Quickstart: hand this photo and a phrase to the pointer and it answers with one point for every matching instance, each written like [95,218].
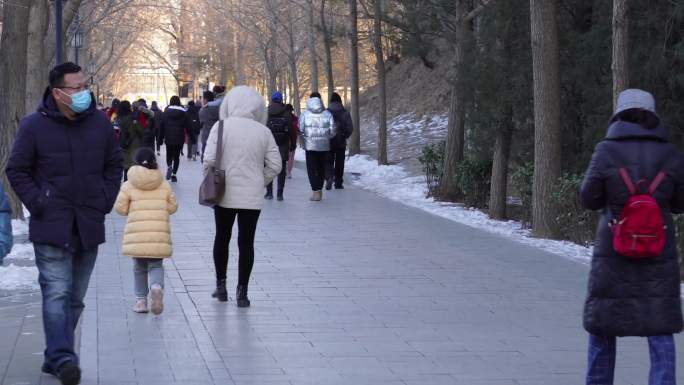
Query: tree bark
[498,190]
[382,91]
[355,143]
[454,152]
[547,146]
[312,49]
[13,48]
[327,43]
[36,74]
[620,66]
[239,74]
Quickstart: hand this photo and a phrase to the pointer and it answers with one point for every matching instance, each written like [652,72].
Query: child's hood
[145,179]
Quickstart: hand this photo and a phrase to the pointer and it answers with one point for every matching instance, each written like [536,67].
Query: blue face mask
[80,101]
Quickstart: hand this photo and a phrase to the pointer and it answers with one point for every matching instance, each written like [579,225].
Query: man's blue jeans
[602,360]
[63,276]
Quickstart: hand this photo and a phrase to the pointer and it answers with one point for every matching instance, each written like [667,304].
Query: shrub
[432,160]
[474,179]
[574,222]
[522,179]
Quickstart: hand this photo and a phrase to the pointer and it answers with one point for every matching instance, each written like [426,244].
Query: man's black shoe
[69,373]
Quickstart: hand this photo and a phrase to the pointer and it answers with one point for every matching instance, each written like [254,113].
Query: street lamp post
[78,39]
[58,31]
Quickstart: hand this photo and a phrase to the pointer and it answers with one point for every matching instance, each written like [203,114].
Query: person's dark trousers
[334,171]
[315,167]
[125,174]
[281,181]
[63,275]
[173,153]
[601,360]
[158,144]
[247,224]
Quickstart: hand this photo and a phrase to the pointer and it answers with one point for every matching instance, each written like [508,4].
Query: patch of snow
[19,227]
[22,251]
[14,277]
[395,183]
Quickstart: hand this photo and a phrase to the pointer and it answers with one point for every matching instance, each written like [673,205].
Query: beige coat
[251,158]
[148,200]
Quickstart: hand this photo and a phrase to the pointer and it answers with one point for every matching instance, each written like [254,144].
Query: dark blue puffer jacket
[67,173]
[633,297]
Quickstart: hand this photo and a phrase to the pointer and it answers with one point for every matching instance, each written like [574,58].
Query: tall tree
[382,88]
[36,75]
[355,145]
[327,44]
[13,44]
[313,56]
[620,66]
[455,140]
[547,146]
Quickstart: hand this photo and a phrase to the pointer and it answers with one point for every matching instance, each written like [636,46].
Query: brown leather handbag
[214,183]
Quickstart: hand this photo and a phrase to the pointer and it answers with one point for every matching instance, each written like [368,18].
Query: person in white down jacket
[251,160]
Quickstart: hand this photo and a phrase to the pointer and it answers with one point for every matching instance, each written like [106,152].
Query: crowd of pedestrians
[69,160]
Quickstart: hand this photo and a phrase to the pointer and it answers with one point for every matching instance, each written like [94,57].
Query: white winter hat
[635,98]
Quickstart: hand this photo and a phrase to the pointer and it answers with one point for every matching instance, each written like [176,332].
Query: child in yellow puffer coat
[148,201]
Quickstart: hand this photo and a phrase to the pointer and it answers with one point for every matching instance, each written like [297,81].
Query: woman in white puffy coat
[251,160]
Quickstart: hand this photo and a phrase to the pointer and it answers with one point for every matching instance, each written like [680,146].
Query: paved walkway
[352,290]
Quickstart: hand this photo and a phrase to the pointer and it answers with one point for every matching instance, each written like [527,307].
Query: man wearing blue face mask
[65,166]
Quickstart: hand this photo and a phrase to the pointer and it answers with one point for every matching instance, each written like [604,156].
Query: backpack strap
[628,181]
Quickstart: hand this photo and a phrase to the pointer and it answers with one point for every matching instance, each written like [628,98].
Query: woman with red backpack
[636,177]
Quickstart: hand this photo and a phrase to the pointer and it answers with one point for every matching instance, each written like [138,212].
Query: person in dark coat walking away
[157,126]
[338,145]
[280,123]
[209,114]
[174,128]
[293,146]
[317,127]
[633,297]
[132,134]
[193,130]
[6,239]
[65,166]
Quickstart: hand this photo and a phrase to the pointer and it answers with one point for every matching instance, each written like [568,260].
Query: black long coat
[174,126]
[627,297]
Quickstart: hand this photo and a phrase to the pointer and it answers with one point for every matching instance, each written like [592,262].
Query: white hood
[243,102]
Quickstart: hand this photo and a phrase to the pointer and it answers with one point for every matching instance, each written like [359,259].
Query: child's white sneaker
[140,306]
[157,295]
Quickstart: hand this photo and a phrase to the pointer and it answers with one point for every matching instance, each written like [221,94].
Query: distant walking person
[174,128]
[317,127]
[5,225]
[280,123]
[293,145]
[209,114]
[635,292]
[338,144]
[65,166]
[251,160]
[193,129]
[158,114]
[148,200]
[131,138]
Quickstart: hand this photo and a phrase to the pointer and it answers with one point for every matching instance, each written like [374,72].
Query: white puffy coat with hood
[316,126]
[250,155]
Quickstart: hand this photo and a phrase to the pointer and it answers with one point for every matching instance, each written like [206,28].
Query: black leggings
[173,152]
[315,166]
[247,223]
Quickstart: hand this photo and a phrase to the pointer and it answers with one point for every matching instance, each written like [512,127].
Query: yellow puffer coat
[148,200]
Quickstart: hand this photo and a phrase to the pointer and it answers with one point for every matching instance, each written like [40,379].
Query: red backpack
[640,231]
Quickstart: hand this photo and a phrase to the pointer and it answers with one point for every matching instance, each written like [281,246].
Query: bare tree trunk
[382,91]
[13,45]
[327,40]
[36,74]
[620,65]
[355,143]
[547,147]
[313,56]
[239,74]
[498,190]
[455,140]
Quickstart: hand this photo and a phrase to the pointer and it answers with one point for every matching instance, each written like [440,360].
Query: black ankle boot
[241,295]
[220,293]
